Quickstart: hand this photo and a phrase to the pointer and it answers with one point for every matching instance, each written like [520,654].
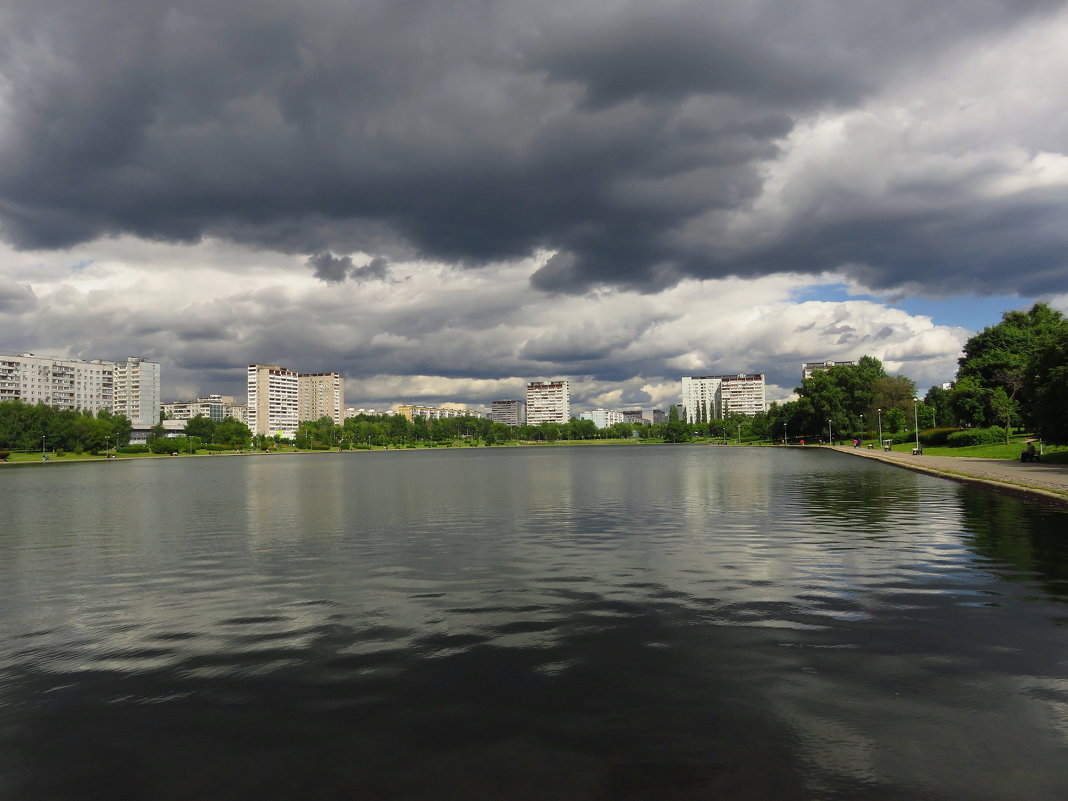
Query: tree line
[38,426]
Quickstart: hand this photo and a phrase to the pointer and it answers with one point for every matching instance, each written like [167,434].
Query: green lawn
[1057,454]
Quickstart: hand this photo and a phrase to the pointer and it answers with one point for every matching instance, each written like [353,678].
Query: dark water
[572,623]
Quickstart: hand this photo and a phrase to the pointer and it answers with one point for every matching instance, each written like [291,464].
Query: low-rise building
[412,412]
[213,407]
[603,418]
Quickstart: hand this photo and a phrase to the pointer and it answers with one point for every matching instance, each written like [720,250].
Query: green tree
[1046,386]
[201,427]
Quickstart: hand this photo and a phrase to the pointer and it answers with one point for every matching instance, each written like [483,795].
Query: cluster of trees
[1013,373]
[849,400]
[38,426]
[228,431]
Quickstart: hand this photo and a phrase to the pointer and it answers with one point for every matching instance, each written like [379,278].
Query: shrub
[215,448]
[976,436]
[133,449]
[362,447]
[936,436]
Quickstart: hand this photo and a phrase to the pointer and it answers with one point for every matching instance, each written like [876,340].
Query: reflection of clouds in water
[590,574]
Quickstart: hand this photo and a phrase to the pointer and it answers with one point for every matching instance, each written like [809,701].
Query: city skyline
[444,203]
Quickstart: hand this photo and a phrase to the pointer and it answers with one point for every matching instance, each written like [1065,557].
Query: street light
[862,427]
[916,420]
[880,411]
[784,433]
[107,447]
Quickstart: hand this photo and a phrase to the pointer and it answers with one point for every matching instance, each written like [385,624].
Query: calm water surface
[570,623]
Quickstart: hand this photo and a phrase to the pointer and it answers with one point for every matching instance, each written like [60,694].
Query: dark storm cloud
[476,131]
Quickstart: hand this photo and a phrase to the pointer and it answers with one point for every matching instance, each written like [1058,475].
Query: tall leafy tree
[1046,386]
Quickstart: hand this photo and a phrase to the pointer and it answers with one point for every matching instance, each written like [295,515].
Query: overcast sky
[443,199]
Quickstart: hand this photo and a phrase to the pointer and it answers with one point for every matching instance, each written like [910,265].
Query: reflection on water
[587,623]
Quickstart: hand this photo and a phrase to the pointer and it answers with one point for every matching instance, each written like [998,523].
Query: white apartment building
[509,412]
[411,412]
[321,395]
[213,407]
[603,418]
[60,383]
[702,397]
[743,394]
[273,400]
[808,368]
[137,391]
[548,401]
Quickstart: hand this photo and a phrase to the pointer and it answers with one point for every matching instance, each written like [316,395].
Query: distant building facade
[273,400]
[59,383]
[321,395]
[634,416]
[548,401]
[808,368]
[743,394]
[412,412]
[702,397]
[509,412]
[213,407]
[603,418]
[137,391]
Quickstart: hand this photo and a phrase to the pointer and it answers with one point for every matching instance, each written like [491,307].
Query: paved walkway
[1048,481]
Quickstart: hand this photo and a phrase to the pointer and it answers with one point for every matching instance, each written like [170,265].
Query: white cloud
[440,334]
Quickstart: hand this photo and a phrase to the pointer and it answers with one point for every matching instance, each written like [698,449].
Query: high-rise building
[702,397]
[743,394]
[137,391]
[658,416]
[634,416]
[548,401]
[273,400]
[60,383]
[808,368]
[509,412]
[322,395]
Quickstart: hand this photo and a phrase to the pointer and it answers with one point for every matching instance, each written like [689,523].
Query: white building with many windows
[137,391]
[60,383]
[702,398]
[213,407]
[743,394]
[603,418]
[273,400]
[548,401]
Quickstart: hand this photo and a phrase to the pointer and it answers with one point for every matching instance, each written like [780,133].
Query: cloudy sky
[443,199]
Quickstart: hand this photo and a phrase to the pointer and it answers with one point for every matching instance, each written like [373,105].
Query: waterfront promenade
[1044,481]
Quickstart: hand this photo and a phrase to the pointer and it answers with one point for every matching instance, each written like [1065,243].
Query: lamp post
[916,420]
[862,427]
[42,447]
[784,433]
[107,447]
[880,411]
[739,433]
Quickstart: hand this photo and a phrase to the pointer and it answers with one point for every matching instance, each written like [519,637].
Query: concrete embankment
[1044,482]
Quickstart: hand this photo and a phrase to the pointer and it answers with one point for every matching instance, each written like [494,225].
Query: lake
[630,622]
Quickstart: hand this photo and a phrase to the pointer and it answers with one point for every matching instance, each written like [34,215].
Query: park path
[1046,481]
